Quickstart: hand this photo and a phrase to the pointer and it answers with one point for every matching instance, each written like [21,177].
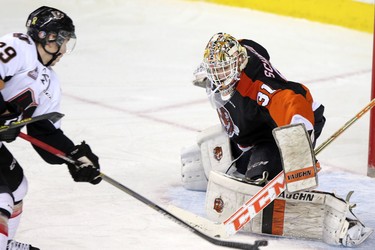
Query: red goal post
[371,148]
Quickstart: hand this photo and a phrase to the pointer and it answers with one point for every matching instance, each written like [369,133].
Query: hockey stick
[259,201]
[368,107]
[53,117]
[213,240]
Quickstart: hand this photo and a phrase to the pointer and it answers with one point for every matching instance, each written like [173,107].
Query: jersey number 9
[6,53]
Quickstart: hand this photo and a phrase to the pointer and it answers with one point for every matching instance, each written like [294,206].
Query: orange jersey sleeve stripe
[244,89]
[285,104]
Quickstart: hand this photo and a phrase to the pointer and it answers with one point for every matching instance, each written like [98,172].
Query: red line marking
[137,113]
[143,113]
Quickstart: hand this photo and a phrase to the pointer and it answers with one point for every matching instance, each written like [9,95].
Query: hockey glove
[87,168]
[200,77]
[13,113]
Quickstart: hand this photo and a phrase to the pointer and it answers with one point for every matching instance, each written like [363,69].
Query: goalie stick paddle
[53,117]
[213,240]
[260,200]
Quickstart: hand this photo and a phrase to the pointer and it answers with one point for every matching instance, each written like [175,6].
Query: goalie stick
[259,201]
[53,117]
[368,107]
[213,240]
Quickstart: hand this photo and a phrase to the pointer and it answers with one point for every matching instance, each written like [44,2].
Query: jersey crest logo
[227,122]
[33,74]
[218,153]
[45,79]
[218,205]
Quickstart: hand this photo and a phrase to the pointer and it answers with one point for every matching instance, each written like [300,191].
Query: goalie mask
[224,59]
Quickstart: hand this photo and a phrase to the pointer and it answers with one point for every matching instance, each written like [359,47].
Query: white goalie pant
[212,152]
[309,215]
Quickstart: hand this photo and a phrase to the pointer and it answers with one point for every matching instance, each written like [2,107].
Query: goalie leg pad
[308,215]
[212,152]
[215,149]
[192,172]
[225,194]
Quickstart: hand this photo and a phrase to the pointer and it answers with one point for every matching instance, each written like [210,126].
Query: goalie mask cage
[371,149]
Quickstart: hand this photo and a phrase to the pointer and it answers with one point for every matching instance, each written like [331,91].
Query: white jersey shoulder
[18,54]
[25,77]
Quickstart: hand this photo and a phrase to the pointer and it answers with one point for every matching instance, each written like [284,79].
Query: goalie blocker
[297,157]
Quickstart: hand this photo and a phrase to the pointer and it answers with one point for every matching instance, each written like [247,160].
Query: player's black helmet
[47,24]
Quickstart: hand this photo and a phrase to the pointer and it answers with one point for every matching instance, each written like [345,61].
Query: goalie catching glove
[86,168]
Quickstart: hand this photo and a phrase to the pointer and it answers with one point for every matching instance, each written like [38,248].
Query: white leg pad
[225,194]
[212,152]
[307,215]
[192,172]
[335,217]
[216,154]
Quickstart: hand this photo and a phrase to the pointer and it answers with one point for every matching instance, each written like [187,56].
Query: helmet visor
[69,38]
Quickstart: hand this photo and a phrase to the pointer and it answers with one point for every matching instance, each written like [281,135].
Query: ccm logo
[256,204]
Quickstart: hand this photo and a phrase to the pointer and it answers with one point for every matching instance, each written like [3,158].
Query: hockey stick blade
[178,220]
[213,240]
[53,117]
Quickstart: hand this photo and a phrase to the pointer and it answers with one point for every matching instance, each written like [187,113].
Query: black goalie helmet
[48,24]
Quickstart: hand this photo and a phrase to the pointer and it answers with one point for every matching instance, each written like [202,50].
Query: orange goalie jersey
[264,99]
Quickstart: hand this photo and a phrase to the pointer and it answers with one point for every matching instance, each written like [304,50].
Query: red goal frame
[371,148]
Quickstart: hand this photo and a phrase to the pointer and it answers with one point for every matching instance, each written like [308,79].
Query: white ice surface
[128,93]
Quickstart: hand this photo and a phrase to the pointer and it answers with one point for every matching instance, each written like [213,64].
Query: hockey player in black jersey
[252,98]
[29,87]
[235,159]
